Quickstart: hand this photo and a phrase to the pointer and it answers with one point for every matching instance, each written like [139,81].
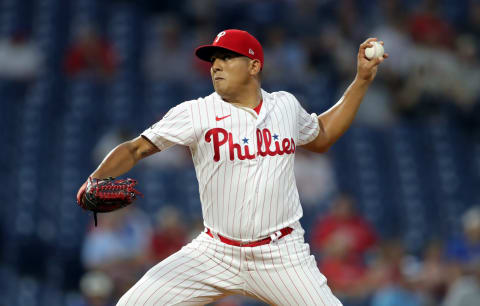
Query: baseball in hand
[375,51]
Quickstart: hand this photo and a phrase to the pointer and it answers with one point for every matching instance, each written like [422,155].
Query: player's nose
[217,65]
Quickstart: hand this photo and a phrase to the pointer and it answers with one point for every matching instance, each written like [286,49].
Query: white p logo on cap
[219,36]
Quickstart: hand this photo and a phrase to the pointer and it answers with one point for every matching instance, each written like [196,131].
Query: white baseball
[375,51]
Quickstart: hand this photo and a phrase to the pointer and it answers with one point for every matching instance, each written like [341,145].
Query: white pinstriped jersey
[243,161]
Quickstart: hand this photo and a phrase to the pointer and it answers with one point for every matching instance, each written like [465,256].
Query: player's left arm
[335,121]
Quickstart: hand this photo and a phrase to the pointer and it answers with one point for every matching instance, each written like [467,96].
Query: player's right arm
[174,128]
[121,159]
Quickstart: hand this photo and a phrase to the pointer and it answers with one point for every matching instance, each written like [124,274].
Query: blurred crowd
[433,73]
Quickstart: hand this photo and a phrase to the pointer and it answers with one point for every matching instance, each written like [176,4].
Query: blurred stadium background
[78,77]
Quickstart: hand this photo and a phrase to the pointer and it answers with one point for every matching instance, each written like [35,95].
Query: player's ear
[255,67]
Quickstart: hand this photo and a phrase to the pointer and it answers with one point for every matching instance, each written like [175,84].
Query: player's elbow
[318,146]
[324,149]
[321,149]
[140,148]
[323,141]
[325,146]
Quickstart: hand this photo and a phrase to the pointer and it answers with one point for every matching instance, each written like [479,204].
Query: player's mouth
[218,78]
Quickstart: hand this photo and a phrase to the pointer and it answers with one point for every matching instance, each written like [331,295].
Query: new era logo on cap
[237,41]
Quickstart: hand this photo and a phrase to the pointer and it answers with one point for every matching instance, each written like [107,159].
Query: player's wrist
[362,81]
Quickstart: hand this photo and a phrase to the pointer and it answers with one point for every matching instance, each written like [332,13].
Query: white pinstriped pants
[205,270]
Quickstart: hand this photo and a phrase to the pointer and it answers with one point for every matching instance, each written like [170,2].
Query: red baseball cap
[237,41]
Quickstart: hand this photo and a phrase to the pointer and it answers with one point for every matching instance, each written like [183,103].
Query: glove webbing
[103,192]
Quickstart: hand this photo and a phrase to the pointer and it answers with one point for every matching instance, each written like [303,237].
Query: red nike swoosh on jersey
[221,118]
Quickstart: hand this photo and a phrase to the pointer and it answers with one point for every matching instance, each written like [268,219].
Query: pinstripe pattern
[296,278]
[282,273]
[244,199]
[244,166]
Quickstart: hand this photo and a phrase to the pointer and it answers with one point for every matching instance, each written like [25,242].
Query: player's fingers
[374,62]
[367,43]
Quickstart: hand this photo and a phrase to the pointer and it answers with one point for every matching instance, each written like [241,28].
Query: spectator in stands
[388,280]
[110,140]
[97,289]
[394,32]
[302,18]
[465,81]
[465,291]
[167,55]
[201,34]
[427,90]
[169,235]
[201,11]
[287,60]
[429,27]
[473,24]
[345,224]
[315,185]
[465,249]
[20,58]
[349,19]
[118,246]
[90,56]
[378,109]
[342,238]
[433,275]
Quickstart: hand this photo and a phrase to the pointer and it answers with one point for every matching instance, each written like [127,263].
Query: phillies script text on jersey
[243,163]
[219,137]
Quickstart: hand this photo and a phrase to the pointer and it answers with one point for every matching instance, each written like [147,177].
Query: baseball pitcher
[243,142]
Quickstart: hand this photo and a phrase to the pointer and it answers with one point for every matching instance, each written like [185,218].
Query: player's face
[230,72]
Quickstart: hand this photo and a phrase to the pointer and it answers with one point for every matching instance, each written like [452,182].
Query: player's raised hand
[367,68]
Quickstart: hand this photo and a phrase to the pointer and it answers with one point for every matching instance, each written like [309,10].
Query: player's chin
[220,87]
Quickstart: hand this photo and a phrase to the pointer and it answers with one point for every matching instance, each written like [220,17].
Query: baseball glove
[106,195]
